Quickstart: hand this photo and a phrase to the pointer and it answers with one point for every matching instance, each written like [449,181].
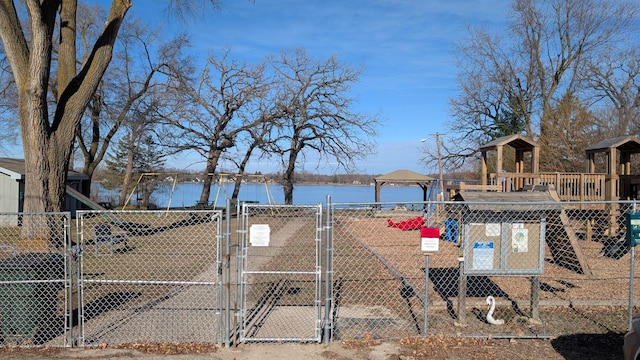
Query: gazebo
[404,176]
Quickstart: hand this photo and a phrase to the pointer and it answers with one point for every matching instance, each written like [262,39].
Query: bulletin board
[504,248]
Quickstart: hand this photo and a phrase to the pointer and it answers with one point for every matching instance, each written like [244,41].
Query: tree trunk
[287,187]
[212,163]
[241,168]
[288,181]
[128,176]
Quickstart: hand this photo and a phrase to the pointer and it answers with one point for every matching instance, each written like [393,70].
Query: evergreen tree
[147,161]
[150,161]
[116,162]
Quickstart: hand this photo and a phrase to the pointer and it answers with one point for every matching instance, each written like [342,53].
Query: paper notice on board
[519,239]
[259,235]
[492,229]
[483,255]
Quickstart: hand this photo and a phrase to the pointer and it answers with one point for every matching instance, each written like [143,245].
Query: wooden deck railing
[569,186]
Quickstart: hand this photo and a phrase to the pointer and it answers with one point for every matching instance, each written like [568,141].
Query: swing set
[222,179]
[173,186]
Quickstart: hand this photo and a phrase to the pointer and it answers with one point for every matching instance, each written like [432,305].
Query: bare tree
[255,140]
[574,125]
[137,156]
[48,137]
[496,98]
[211,120]
[48,134]
[527,75]
[614,77]
[8,109]
[132,81]
[317,114]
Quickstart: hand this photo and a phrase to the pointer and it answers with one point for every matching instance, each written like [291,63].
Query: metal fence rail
[551,267]
[280,273]
[149,276]
[300,273]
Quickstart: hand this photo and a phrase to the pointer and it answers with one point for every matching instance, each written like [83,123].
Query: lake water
[187,194]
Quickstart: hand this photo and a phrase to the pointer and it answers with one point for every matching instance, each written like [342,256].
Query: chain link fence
[149,276]
[280,273]
[34,281]
[552,268]
[300,273]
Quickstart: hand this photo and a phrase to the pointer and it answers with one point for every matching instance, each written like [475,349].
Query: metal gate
[149,276]
[280,273]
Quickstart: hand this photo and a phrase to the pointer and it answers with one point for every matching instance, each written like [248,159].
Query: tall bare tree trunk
[128,175]
[288,179]
[212,163]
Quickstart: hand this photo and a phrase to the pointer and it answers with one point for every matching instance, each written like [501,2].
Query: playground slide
[83,199]
[94,205]
[561,245]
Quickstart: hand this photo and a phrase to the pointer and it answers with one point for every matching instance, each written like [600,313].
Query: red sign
[429,239]
[426,232]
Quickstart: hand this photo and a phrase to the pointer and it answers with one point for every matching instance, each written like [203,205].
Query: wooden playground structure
[572,191]
[617,182]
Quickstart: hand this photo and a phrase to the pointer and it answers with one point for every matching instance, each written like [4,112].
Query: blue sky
[405,46]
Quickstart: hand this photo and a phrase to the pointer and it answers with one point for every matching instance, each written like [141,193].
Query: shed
[404,177]
[12,186]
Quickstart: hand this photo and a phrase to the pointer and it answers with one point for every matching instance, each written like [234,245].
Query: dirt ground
[582,346]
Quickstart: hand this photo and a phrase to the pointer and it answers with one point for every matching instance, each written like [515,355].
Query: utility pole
[440,180]
[440,166]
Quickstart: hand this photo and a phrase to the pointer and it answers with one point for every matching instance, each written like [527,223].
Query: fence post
[535,298]
[71,277]
[328,281]
[631,271]
[227,275]
[632,253]
[462,293]
[79,336]
[426,294]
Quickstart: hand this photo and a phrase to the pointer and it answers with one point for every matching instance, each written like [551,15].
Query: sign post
[632,221]
[429,241]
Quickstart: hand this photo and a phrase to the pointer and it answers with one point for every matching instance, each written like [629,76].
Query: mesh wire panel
[149,276]
[33,279]
[378,272]
[552,269]
[280,273]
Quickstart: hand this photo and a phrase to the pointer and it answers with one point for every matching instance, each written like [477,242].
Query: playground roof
[622,143]
[516,141]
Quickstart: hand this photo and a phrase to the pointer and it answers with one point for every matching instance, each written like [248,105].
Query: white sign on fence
[259,234]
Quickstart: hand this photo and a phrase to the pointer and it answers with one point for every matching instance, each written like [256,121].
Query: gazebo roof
[404,176]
